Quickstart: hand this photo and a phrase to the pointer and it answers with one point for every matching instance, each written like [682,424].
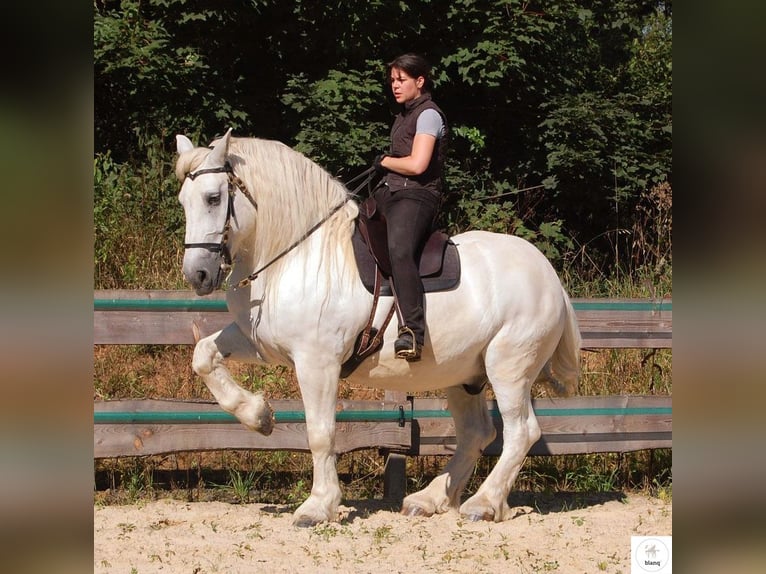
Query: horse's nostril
[201,276]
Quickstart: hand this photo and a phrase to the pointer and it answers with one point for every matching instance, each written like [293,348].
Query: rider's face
[404,87]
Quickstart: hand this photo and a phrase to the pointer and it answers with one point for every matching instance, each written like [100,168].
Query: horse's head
[207,196]
[296,197]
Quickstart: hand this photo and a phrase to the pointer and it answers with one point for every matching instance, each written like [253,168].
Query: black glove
[379,169]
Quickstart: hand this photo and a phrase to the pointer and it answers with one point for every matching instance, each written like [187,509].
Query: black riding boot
[406,346]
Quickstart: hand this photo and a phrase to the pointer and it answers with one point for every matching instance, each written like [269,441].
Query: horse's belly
[424,375]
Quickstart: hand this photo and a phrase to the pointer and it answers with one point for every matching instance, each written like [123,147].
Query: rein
[250,278]
[369,172]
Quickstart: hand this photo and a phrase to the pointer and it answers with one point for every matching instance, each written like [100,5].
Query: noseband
[234,183]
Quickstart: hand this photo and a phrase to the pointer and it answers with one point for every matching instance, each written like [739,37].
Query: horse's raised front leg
[474,430]
[251,409]
[318,382]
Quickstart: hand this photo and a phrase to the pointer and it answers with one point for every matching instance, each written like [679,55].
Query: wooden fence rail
[398,424]
[421,426]
[166,317]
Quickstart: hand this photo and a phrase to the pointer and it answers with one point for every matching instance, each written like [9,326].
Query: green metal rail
[159,305]
[170,417]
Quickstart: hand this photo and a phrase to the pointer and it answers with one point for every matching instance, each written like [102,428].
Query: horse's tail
[562,371]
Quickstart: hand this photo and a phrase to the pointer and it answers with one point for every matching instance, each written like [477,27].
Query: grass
[240,485]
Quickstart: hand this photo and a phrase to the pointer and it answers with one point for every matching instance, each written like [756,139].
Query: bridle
[236,183]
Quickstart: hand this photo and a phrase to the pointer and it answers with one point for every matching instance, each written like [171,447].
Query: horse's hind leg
[251,409]
[474,430]
[511,382]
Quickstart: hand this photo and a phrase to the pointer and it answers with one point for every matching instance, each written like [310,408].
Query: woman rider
[409,195]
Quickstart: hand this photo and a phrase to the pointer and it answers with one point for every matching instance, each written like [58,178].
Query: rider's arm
[418,160]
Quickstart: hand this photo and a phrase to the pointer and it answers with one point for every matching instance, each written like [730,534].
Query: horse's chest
[271,327]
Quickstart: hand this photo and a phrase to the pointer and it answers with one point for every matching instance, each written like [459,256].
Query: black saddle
[439,261]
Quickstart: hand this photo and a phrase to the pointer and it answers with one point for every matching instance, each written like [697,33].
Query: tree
[569,100]
[161,67]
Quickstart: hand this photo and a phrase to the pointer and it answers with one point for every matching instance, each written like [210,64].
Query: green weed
[241,484]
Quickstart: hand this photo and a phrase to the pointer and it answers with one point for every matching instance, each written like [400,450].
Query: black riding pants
[410,215]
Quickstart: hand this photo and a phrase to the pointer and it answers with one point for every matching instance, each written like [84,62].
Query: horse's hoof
[414,511]
[267,422]
[305,522]
[258,415]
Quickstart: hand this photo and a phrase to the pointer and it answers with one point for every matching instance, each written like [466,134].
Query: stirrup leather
[402,348]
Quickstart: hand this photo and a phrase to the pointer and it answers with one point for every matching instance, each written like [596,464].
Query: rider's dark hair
[415,66]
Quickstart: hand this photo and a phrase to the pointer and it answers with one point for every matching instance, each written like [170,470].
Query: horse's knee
[203,357]
[321,439]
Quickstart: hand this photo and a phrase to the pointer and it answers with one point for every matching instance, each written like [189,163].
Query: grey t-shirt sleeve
[430,122]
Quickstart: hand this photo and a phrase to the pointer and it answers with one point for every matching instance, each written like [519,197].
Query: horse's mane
[292,192]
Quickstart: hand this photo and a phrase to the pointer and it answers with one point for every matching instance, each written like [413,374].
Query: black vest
[402,137]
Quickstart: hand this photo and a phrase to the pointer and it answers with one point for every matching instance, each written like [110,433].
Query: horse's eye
[214,199]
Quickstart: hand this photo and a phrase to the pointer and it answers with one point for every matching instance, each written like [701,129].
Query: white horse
[252,203]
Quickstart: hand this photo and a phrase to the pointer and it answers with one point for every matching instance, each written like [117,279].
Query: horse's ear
[183,144]
[217,157]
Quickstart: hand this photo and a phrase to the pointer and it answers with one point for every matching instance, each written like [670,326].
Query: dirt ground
[566,533]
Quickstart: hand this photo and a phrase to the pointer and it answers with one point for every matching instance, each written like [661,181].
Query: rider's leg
[409,215]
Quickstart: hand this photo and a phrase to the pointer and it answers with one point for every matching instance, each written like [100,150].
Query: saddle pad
[446,278]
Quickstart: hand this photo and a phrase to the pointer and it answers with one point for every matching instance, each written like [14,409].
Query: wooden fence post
[395,470]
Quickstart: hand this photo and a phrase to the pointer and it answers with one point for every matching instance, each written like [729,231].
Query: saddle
[439,261]
[439,271]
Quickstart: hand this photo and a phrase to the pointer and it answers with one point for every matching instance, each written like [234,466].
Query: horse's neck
[324,252]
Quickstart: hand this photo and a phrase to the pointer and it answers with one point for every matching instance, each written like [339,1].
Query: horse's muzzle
[204,274]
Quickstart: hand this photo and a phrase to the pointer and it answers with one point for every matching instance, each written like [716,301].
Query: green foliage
[138,223]
[502,217]
[609,141]
[478,200]
[137,479]
[157,73]
[333,132]
[592,139]
[501,38]
[241,484]
[571,95]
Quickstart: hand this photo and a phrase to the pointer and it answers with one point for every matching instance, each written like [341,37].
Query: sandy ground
[569,534]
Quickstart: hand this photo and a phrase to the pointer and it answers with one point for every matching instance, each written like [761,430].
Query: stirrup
[405,346]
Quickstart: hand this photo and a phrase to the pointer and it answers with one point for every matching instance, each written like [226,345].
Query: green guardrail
[159,305]
[170,417]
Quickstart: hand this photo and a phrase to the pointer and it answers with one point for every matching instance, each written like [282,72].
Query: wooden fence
[400,425]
